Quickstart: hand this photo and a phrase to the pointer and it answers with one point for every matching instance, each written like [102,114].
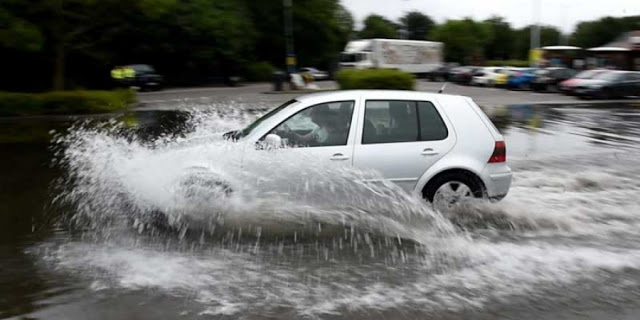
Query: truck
[417,57]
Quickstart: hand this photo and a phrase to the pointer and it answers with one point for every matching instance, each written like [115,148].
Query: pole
[290,59]
[535,27]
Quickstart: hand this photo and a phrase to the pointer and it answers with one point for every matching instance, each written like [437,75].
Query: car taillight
[499,153]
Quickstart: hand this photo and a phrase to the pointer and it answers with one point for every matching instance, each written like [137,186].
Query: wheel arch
[430,176]
[459,172]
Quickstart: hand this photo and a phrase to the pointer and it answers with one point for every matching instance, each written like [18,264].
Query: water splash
[565,225]
[201,182]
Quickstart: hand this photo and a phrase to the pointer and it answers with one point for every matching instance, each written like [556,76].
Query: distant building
[622,53]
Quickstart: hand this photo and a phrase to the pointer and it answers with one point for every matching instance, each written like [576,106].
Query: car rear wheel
[448,190]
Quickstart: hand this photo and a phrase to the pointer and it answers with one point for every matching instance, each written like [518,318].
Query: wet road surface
[564,244]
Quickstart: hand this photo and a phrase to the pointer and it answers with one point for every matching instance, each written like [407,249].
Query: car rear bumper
[497,179]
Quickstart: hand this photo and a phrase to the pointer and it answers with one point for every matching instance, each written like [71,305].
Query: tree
[548,36]
[464,40]
[599,32]
[500,45]
[376,26]
[321,28]
[417,25]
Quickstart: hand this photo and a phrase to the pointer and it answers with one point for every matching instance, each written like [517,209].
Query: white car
[315,73]
[486,76]
[442,147]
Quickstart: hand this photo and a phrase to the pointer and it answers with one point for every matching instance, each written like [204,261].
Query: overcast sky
[563,14]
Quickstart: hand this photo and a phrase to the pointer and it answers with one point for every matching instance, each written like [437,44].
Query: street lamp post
[288,33]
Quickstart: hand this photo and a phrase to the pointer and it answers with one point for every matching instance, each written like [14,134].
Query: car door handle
[429,152]
[339,157]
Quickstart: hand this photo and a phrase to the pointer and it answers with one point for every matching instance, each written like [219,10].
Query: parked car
[442,73]
[549,78]
[315,73]
[462,75]
[145,78]
[610,84]
[486,76]
[568,86]
[500,80]
[442,147]
[521,79]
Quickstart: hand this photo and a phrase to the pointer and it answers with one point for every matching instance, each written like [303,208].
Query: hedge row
[510,63]
[375,79]
[64,102]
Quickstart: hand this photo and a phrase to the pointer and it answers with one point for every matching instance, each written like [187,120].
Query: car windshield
[587,74]
[246,131]
[348,57]
[142,68]
[608,76]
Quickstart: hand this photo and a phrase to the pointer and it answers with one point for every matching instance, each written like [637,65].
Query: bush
[260,71]
[64,102]
[509,63]
[375,79]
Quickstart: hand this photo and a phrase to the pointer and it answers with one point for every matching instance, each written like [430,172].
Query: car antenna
[442,89]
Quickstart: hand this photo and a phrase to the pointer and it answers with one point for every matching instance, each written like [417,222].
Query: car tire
[458,182]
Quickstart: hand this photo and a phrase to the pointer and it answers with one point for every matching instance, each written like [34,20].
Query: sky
[563,14]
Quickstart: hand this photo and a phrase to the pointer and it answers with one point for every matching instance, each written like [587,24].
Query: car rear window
[431,125]
[391,121]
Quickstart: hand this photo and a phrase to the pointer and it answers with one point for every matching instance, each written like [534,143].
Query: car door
[634,85]
[401,139]
[320,132]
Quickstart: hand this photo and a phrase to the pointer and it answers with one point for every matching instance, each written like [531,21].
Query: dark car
[568,86]
[610,84]
[463,75]
[145,77]
[549,78]
[442,73]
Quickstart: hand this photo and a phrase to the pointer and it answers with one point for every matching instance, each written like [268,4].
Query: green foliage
[375,79]
[260,71]
[189,42]
[602,31]
[509,63]
[376,26]
[417,25]
[463,40]
[500,44]
[549,36]
[64,102]
[19,34]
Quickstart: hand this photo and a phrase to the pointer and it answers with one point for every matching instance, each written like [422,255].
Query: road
[257,94]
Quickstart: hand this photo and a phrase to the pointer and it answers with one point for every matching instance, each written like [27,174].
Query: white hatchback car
[442,147]
[485,76]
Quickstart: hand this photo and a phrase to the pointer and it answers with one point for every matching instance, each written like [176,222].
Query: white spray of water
[552,207]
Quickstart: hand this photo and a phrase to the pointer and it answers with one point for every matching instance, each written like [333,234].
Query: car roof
[374,93]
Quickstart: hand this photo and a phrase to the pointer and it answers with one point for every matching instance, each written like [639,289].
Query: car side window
[390,121]
[432,128]
[321,125]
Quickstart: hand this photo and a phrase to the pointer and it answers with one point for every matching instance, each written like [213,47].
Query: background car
[146,77]
[549,78]
[502,76]
[463,75]
[485,76]
[442,73]
[521,79]
[568,86]
[315,73]
[610,84]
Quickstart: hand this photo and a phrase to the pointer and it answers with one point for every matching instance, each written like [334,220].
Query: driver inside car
[326,132]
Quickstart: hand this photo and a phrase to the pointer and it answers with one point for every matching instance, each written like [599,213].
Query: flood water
[80,237]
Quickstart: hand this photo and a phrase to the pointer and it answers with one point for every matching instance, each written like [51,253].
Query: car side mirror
[273,140]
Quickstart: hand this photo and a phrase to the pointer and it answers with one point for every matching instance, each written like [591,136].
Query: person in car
[328,131]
